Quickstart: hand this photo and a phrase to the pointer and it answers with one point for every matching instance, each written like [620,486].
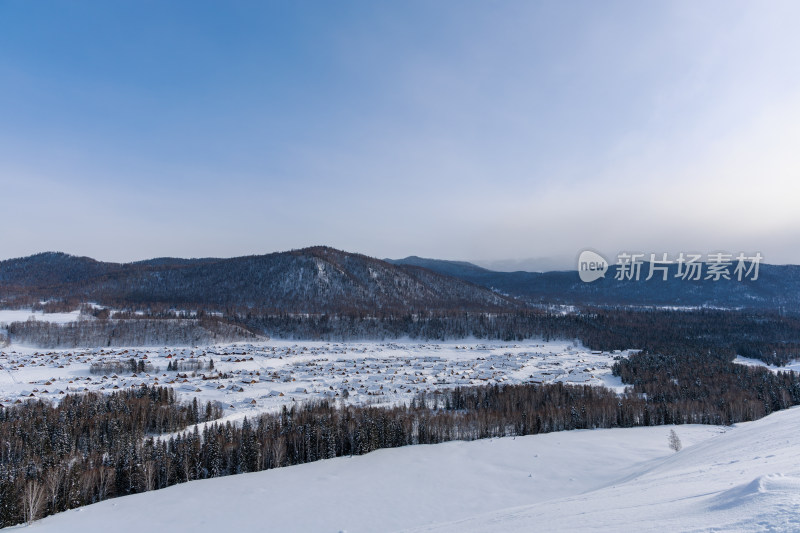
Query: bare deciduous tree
[52,481]
[149,475]
[33,500]
[105,480]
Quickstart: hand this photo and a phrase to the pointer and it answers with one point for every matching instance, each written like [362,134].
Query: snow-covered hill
[312,280]
[745,478]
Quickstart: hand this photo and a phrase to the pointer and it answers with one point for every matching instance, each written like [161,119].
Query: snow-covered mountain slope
[743,478]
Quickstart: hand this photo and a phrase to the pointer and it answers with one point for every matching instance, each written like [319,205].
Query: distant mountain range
[325,280]
[777,287]
[312,280]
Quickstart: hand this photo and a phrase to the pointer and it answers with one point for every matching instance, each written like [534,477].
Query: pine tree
[674,441]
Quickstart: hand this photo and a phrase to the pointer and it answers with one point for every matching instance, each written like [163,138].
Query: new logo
[591,266]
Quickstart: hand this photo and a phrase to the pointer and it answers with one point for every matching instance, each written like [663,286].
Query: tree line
[128,332]
[85,449]
[770,337]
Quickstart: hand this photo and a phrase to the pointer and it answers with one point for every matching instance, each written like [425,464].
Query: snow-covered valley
[740,478]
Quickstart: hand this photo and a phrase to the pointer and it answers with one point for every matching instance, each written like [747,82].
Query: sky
[497,131]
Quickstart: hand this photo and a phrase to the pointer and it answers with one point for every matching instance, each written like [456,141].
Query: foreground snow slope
[392,489]
[745,480]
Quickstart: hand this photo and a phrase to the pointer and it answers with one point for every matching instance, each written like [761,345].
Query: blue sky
[462,130]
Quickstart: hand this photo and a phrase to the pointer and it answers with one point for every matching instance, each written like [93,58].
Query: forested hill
[777,287]
[325,280]
[311,280]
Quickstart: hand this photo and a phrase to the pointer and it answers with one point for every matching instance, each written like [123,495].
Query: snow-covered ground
[747,479]
[250,378]
[792,365]
[744,478]
[8,316]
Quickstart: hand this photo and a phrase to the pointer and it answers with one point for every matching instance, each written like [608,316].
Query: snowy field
[744,478]
[249,378]
[747,479]
[792,365]
[8,316]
